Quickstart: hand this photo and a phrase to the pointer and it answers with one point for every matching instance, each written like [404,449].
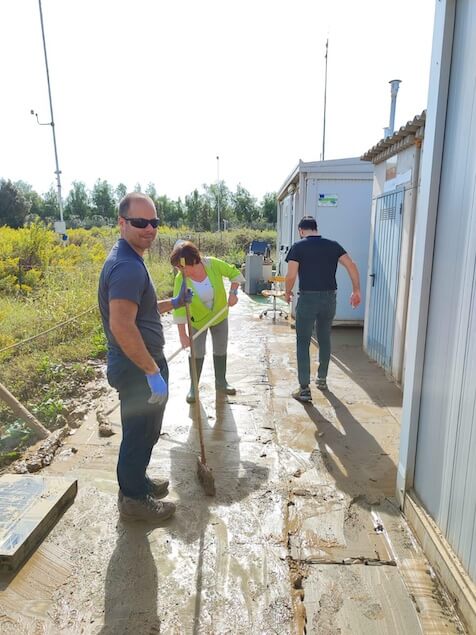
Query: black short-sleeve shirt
[318,258]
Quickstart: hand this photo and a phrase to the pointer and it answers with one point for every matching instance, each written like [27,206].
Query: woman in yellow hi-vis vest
[205,278]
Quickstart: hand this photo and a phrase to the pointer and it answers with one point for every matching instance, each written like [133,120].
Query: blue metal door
[384,276]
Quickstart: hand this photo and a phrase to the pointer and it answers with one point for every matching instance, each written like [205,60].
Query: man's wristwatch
[234,291]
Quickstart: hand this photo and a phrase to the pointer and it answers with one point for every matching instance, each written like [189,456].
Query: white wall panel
[445,468]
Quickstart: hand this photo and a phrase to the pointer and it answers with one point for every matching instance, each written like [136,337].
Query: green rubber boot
[199,364]
[221,385]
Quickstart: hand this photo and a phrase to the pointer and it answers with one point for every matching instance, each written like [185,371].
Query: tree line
[21,205]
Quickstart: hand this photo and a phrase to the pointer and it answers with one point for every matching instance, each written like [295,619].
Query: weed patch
[44,284]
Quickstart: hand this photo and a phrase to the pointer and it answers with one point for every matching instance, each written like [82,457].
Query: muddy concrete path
[302,536]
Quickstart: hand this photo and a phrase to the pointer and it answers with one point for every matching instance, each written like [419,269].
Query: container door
[286,234]
[342,208]
[384,275]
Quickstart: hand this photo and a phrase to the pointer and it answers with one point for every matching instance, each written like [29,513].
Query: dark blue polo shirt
[124,276]
[318,258]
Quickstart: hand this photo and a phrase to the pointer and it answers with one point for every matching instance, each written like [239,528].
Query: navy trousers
[319,308]
[141,423]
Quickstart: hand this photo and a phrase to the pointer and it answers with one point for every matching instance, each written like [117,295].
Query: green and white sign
[327,200]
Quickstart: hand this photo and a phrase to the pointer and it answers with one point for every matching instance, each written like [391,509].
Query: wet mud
[289,544]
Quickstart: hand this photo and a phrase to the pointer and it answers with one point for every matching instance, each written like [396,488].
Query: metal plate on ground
[29,508]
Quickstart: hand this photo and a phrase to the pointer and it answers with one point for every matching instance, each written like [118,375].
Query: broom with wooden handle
[169,359]
[205,474]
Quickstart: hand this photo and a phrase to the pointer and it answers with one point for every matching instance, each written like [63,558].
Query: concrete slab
[242,599]
[431,601]
[358,599]
[27,597]
[29,508]
[328,528]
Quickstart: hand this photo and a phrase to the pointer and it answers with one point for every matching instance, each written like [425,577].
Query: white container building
[436,478]
[338,195]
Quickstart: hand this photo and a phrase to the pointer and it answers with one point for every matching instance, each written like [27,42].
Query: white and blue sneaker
[321,383]
[303,394]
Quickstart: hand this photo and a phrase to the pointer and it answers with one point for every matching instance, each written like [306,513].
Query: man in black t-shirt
[315,259]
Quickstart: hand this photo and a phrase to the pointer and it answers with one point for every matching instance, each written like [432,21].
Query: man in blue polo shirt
[136,365]
[315,259]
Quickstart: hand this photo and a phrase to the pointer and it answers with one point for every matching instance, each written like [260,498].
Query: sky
[153,91]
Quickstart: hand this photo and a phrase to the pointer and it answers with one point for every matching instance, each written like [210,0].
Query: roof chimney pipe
[394,86]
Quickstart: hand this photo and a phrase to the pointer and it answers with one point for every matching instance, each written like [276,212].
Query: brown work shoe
[158,487]
[147,509]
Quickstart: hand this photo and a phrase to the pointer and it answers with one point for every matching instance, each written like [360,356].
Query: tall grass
[43,283]
[231,245]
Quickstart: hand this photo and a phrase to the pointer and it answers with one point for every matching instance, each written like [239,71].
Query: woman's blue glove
[158,388]
[184,297]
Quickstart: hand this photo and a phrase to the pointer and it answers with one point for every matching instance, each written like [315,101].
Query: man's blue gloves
[158,388]
[184,297]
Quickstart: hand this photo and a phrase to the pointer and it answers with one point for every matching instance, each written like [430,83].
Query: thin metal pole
[325,106]
[52,124]
[218,193]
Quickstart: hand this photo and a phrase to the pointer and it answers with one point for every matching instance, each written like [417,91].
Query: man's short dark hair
[125,203]
[308,222]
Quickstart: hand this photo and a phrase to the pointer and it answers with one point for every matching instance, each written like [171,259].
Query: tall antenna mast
[325,106]
[52,123]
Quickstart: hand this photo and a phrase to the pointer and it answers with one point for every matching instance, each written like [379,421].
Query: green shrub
[44,283]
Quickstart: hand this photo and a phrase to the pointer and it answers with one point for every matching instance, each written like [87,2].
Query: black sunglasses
[141,223]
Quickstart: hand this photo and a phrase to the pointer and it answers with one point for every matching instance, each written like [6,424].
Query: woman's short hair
[187,250]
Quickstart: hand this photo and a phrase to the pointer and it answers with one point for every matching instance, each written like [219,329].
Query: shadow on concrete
[348,355]
[230,464]
[130,599]
[235,479]
[352,456]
